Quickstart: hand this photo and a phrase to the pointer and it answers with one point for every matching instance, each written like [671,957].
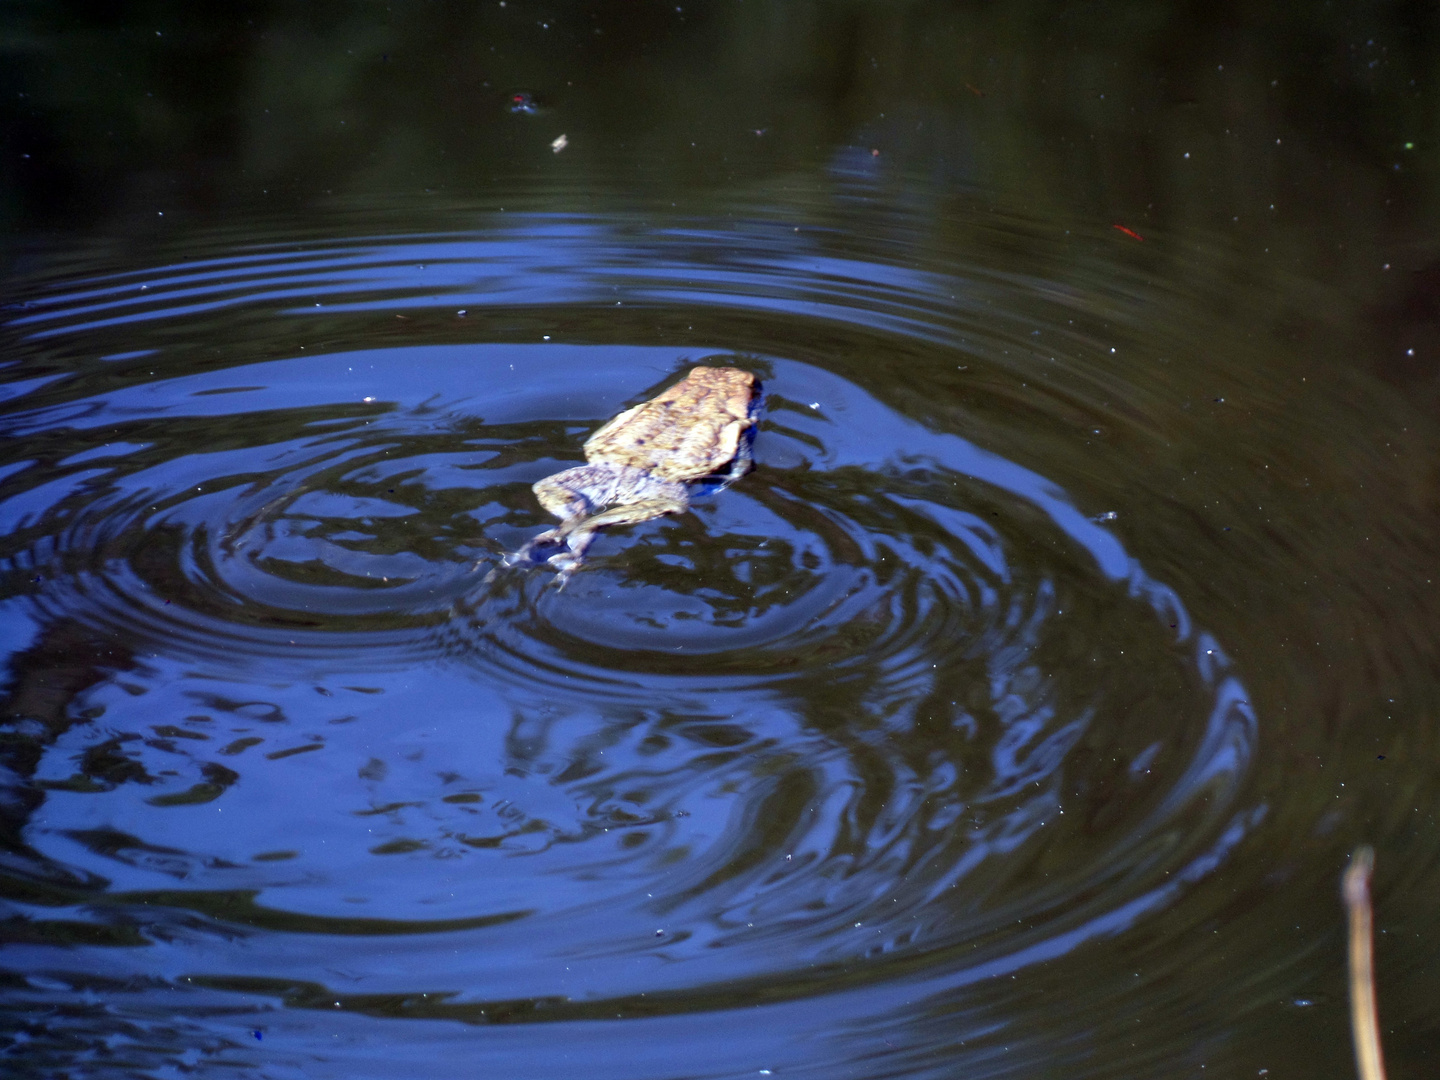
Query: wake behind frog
[639,463]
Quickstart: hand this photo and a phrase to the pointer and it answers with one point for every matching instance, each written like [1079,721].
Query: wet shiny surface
[1013,717]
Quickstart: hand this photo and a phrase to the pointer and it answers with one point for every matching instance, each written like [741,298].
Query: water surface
[1014,716]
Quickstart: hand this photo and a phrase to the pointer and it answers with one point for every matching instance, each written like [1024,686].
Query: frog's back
[688,431]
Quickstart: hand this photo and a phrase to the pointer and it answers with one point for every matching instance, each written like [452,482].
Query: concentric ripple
[892,708]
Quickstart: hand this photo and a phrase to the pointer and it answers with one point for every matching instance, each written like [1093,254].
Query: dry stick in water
[1364,1017]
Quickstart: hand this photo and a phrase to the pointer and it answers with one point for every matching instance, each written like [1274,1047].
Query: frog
[641,464]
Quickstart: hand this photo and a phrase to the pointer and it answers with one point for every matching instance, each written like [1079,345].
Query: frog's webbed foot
[564,563]
[529,554]
[571,538]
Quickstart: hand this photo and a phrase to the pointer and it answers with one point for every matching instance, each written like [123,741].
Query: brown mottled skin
[684,433]
[639,461]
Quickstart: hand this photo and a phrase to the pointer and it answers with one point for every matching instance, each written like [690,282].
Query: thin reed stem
[1364,1015]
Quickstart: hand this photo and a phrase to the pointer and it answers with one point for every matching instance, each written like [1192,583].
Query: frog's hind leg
[571,496]
[579,535]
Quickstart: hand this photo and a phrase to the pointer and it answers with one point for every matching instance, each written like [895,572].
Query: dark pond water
[1014,717]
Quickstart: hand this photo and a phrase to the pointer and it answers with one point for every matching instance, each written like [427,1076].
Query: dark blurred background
[1303,134]
[114,112]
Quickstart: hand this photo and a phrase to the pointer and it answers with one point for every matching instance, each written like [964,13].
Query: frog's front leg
[578,535]
[743,459]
